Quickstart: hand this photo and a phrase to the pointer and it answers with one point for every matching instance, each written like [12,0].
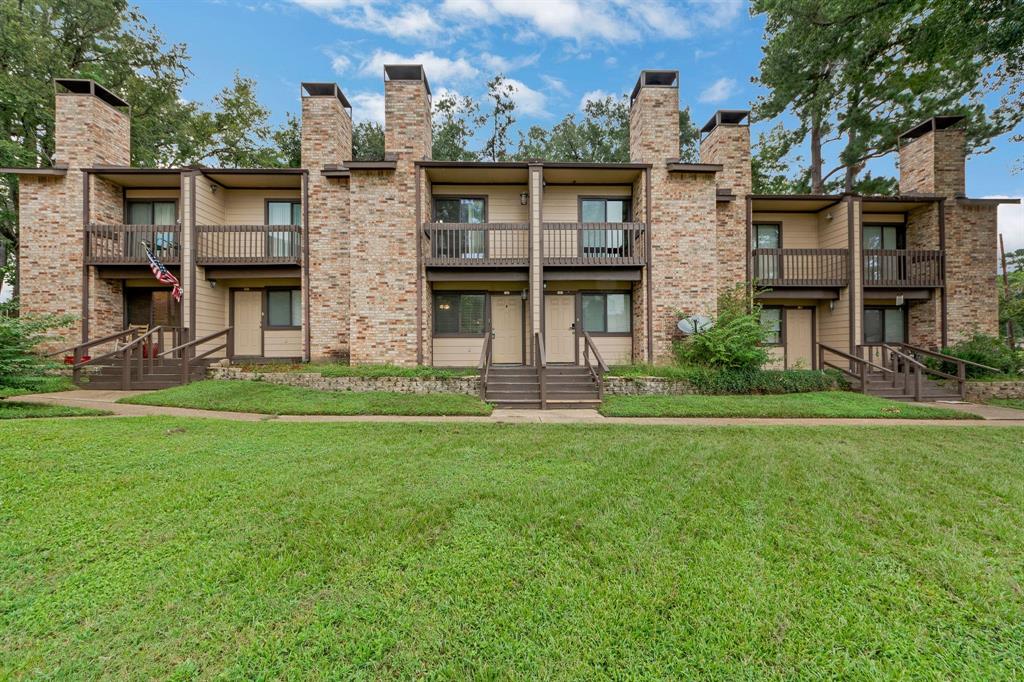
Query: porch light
[523,198]
[444,306]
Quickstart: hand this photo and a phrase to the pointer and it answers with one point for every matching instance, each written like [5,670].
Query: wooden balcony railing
[902,268]
[477,244]
[801,267]
[122,244]
[248,244]
[594,243]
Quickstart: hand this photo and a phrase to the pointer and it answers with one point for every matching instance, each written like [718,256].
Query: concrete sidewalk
[107,400]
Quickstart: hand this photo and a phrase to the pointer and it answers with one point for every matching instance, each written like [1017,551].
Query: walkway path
[106,400]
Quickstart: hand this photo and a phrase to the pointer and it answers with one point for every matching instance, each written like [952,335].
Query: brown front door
[507,323]
[248,323]
[559,327]
[799,338]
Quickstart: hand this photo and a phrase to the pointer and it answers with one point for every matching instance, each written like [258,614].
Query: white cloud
[368,106]
[1011,225]
[593,95]
[719,13]
[611,61]
[529,101]
[699,54]
[339,63]
[719,91]
[412,21]
[554,84]
[498,64]
[439,69]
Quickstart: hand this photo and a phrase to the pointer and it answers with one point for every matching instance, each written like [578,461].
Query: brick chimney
[93,125]
[407,106]
[684,263]
[326,126]
[932,157]
[725,140]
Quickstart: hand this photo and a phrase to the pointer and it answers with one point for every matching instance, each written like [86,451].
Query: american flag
[162,274]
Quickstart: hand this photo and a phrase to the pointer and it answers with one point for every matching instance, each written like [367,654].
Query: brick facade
[729,145]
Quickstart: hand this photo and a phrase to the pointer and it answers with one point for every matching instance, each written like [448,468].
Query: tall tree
[237,132]
[367,141]
[454,123]
[499,119]
[858,73]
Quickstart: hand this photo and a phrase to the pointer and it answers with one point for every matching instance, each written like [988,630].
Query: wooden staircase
[898,372]
[139,361]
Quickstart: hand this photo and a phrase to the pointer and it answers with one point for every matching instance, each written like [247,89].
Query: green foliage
[288,142]
[12,410]
[498,120]
[1011,298]
[985,350]
[710,381]
[19,337]
[367,141]
[735,340]
[454,123]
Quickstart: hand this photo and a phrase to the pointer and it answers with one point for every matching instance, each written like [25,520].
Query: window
[459,314]
[154,213]
[884,266]
[283,244]
[607,242]
[284,308]
[771,320]
[767,266]
[884,325]
[460,243]
[607,313]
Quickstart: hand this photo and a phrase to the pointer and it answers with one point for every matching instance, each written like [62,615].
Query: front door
[799,338]
[507,323]
[248,323]
[560,328]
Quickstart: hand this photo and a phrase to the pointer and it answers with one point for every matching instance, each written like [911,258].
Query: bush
[735,341]
[709,381]
[985,350]
[19,337]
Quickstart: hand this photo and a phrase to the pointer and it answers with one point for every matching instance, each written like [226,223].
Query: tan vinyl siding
[503,202]
[211,310]
[282,343]
[561,202]
[888,218]
[457,352]
[614,350]
[776,358]
[248,206]
[834,325]
[799,230]
[236,207]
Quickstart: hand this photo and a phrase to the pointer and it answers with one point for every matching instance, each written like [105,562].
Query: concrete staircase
[565,386]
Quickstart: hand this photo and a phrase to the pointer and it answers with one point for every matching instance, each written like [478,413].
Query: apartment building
[411,260]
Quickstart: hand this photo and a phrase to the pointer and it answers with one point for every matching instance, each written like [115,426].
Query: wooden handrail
[196,342]
[95,342]
[948,358]
[119,351]
[187,350]
[848,356]
[540,361]
[602,367]
[485,362]
[597,354]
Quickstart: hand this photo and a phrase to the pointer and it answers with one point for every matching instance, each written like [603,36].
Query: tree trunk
[817,186]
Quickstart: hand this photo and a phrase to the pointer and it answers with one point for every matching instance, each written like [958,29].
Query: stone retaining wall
[459,385]
[646,386]
[980,391]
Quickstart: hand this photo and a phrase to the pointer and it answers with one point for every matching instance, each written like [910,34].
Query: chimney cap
[932,124]
[730,117]
[406,72]
[654,78]
[325,90]
[86,86]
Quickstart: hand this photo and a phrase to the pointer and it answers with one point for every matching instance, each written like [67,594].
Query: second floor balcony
[818,268]
[119,244]
[248,244]
[903,268]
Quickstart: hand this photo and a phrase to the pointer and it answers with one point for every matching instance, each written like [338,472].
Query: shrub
[709,381]
[735,341]
[19,337]
[985,350]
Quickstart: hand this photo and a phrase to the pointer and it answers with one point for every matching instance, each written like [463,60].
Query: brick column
[727,142]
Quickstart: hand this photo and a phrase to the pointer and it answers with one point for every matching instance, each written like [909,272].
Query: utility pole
[1006,295]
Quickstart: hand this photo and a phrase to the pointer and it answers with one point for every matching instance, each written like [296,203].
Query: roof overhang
[987,201]
[138,177]
[56,171]
[802,203]
[255,178]
[675,166]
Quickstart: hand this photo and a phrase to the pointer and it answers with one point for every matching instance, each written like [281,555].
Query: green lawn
[335,369]
[179,549]
[30,385]
[265,398]
[827,404]
[9,410]
[1017,403]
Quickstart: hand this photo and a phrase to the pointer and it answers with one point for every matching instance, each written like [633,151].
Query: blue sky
[557,52]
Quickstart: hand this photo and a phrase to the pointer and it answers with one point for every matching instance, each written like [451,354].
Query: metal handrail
[540,361]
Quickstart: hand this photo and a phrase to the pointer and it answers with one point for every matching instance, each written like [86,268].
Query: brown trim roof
[56,171]
[681,167]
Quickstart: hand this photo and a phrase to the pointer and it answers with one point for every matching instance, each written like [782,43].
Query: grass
[265,398]
[334,369]
[1017,403]
[9,410]
[180,549]
[709,381]
[833,404]
[30,385]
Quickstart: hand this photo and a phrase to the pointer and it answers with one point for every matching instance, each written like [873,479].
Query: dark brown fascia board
[387,164]
[818,294]
[725,198]
[593,165]
[902,198]
[56,171]
[680,167]
[128,170]
[430,163]
[932,124]
[253,171]
[797,197]
[982,201]
[335,171]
